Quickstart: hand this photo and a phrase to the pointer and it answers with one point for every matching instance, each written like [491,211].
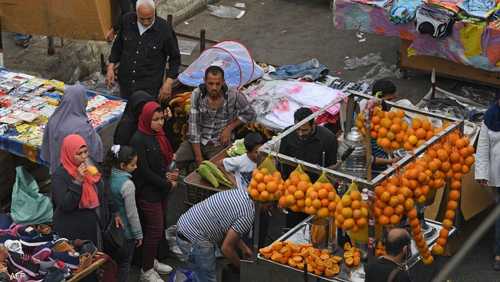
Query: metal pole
[51,50]
[1,44]
[468,245]
[202,40]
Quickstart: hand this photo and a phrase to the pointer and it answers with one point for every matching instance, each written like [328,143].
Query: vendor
[216,112]
[70,118]
[219,221]
[310,143]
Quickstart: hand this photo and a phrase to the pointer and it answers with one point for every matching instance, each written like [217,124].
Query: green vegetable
[221,178]
[206,173]
[237,149]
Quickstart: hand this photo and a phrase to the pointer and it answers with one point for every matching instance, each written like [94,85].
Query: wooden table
[87,271]
[199,188]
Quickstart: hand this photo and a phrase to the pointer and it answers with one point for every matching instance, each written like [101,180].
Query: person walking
[487,171]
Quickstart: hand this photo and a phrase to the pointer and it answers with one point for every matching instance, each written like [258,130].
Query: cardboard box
[75,19]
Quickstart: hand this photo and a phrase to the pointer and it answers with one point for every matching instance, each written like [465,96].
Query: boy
[243,166]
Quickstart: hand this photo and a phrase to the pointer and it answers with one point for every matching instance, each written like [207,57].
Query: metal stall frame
[348,101]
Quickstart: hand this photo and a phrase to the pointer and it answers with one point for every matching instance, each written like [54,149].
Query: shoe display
[69,260]
[150,276]
[24,263]
[30,237]
[14,246]
[162,268]
[63,245]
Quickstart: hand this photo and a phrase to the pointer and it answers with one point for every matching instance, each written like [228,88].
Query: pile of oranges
[392,132]
[319,199]
[265,186]
[351,213]
[294,191]
[319,262]
[392,200]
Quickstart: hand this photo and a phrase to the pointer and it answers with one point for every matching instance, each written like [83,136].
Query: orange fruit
[383,220]
[323,194]
[332,206]
[456,185]
[452,205]
[388,211]
[412,213]
[361,222]
[377,211]
[454,195]
[386,196]
[443,233]
[272,186]
[421,133]
[355,195]
[412,174]
[379,190]
[356,204]
[346,200]
[313,195]
[254,193]
[300,203]
[323,212]
[469,161]
[437,250]
[316,203]
[449,215]
[442,241]
[394,219]
[331,196]
[308,202]
[348,223]
[347,212]
[399,210]
[261,187]
[259,177]
[465,169]
[408,146]
[442,155]
[409,204]
[413,140]
[290,200]
[264,196]
[281,203]
[445,166]
[386,122]
[299,195]
[302,186]
[291,189]
[456,167]
[448,224]
[416,123]
[391,188]
[457,175]
[454,157]
[394,201]
[395,127]
[460,143]
[382,132]
[325,202]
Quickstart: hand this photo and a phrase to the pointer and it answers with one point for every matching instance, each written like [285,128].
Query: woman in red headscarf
[153,181]
[82,208]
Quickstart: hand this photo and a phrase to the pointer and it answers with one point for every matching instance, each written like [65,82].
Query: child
[122,160]
[243,166]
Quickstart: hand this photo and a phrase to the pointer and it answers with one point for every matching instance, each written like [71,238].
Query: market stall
[461,44]
[396,197]
[27,102]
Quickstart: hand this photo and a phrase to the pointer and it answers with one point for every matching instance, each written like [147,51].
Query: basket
[196,194]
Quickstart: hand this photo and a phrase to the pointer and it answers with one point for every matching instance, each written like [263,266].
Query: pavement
[286,32]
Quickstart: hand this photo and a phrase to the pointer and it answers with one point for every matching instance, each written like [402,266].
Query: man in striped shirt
[220,220]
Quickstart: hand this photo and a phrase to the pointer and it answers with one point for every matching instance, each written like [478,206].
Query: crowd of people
[130,188]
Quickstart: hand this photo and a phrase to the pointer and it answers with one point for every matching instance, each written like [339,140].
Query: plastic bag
[294,190]
[351,213]
[181,275]
[266,183]
[28,205]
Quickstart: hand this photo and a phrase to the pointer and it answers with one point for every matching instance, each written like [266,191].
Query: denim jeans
[497,225]
[311,68]
[201,259]
[124,264]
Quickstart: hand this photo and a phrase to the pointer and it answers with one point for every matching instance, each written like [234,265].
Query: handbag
[114,238]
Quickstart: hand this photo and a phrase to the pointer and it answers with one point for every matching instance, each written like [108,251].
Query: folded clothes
[311,69]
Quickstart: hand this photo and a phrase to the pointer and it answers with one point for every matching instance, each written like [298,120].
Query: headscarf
[145,127]
[70,118]
[70,146]
[127,126]
[492,115]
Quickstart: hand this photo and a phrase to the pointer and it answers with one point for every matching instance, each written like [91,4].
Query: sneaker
[30,237]
[150,276]
[42,254]
[14,246]
[24,263]
[71,261]
[162,268]
[85,247]
[63,245]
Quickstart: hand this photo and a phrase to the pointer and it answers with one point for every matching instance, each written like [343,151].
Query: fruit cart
[408,169]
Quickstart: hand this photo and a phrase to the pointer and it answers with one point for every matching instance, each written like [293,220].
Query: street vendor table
[31,151]
[457,55]
[272,271]
[198,188]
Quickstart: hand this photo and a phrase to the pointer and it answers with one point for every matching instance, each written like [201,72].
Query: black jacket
[143,58]
[322,143]
[149,177]
[128,123]
[72,222]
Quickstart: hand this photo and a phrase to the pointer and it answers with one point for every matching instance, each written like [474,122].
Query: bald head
[145,12]
[397,239]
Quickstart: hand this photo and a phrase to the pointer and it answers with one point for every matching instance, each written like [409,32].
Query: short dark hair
[252,140]
[394,246]
[214,70]
[303,113]
[386,87]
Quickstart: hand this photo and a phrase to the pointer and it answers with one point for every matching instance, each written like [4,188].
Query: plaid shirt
[206,125]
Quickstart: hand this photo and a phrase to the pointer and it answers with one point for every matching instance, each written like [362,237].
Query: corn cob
[221,178]
[206,173]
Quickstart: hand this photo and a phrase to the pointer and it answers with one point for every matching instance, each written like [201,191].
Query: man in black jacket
[309,143]
[142,46]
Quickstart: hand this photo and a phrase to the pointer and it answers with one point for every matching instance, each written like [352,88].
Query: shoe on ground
[496,265]
[150,276]
[162,268]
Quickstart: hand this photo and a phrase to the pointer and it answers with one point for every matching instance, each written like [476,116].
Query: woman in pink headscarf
[82,207]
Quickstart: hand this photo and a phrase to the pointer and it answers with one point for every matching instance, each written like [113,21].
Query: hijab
[145,127]
[70,118]
[492,115]
[128,123]
[70,146]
